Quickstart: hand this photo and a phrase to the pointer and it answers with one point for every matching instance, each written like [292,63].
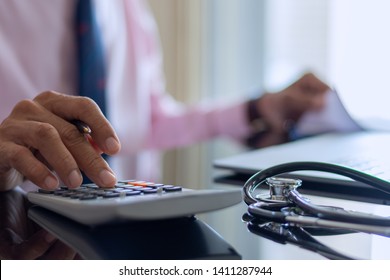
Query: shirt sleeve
[163,122]
[174,124]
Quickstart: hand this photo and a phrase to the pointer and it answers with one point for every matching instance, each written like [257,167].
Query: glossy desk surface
[218,235]
[253,246]
[24,235]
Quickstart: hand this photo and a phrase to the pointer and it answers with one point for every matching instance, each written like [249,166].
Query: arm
[169,124]
[174,125]
[261,122]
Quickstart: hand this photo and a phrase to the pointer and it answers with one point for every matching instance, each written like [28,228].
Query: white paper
[332,118]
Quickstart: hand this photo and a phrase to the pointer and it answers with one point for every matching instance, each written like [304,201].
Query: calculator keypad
[121,189]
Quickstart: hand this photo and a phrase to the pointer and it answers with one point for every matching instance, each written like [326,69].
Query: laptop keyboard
[368,165]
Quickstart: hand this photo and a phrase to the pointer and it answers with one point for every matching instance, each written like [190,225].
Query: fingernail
[75,179]
[112,144]
[107,178]
[51,182]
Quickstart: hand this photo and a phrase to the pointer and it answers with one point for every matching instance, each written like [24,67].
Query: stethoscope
[283,211]
[284,204]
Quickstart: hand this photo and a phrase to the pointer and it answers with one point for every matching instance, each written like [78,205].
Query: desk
[356,245]
[219,235]
[183,238]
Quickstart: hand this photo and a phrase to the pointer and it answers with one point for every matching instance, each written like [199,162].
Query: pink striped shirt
[37,53]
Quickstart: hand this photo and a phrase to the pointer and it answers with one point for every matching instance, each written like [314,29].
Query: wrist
[255,117]
[256,121]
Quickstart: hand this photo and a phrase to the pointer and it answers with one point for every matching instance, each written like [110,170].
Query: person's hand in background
[38,138]
[274,114]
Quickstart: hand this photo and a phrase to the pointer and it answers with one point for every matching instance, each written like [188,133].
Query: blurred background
[234,48]
[231,48]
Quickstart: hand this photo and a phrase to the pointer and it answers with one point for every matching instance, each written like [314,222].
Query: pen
[86,131]
[81,126]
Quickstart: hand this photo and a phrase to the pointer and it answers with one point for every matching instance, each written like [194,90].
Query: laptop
[342,141]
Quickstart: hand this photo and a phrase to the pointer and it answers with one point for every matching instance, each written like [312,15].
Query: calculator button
[173,189]
[138,183]
[93,186]
[45,191]
[131,193]
[156,185]
[88,197]
[67,194]
[117,189]
[126,181]
[59,192]
[134,188]
[124,192]
[76,195]
[100,192]
[143,189]
[149,190]
[110,194]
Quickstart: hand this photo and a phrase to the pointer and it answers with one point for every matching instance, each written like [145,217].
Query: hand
[37,138]
[281,110]
[20,238]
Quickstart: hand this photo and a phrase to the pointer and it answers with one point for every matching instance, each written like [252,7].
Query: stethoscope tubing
[323,215]
[337,214]
[313,221]
[354,174]
[298,237]
[302,221]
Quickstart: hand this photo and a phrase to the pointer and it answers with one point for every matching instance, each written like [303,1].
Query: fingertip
[112,145]
[51,182]
[75,179]
[107,178]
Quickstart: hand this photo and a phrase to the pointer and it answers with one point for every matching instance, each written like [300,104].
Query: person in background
[39,99]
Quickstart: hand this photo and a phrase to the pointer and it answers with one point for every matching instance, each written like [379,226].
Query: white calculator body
[132,200]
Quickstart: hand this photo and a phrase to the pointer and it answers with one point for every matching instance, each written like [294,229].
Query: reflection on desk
[171,239]
[228,223]
[32,232]
[20,238]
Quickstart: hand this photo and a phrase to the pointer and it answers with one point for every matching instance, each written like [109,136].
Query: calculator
[134,200]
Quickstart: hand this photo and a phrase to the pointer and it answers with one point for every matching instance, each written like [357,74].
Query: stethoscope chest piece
[281,213]
[278,189]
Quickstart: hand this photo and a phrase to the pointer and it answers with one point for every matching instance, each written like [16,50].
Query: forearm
[192,125]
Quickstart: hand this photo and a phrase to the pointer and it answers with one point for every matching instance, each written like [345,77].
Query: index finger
[86,110]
